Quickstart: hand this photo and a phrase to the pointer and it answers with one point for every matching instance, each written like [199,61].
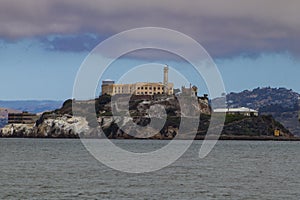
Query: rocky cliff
[59,127]
[97,115]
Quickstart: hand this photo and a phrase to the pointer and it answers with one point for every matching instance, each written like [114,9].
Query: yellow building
[140,88]
[276,133]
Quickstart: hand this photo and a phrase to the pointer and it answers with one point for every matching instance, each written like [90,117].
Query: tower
[166,71]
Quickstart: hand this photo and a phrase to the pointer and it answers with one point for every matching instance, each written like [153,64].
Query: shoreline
[232,138]
[253,138]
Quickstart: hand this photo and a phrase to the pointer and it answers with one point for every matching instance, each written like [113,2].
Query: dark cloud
[224,28]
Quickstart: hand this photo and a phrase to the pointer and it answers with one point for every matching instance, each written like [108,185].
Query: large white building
[140,88]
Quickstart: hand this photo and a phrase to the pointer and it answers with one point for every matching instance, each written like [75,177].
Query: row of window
[141,88]
[150,88]
[148,93]
[121,90]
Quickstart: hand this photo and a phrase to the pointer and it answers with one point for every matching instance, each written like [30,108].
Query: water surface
[63,169]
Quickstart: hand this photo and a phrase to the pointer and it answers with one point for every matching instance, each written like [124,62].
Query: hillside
[265,99]
[281,103]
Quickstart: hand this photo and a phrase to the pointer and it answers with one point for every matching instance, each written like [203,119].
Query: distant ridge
[33,106]
[4,111]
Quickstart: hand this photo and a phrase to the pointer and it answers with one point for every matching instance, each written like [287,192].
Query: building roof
[240,109]
[108,80]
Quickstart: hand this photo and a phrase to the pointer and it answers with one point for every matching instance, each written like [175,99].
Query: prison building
[139,88]
[22,118]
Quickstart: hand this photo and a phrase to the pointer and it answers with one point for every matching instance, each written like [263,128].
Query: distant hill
[33,106]
[265,99]
[281,103]
[4,111]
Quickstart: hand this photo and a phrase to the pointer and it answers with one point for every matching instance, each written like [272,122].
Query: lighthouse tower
[166,71]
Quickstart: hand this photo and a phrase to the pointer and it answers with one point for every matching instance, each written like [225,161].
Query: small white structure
[241,110]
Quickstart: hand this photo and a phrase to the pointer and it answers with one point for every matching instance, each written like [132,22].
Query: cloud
[224,28]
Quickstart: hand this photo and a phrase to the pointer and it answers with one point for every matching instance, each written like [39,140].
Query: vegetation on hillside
[281,103]
[235,124]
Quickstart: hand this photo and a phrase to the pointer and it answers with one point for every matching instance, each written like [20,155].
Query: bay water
[64,169]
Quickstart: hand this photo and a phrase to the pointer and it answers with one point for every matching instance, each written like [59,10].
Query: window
[145,92]
[154,88]
[138,88]
[150,92]
[158,92]
[150,88]
[145,88]
[158,88]
[142,88]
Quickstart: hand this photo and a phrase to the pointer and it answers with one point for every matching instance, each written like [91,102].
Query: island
[99,118]
[97,121]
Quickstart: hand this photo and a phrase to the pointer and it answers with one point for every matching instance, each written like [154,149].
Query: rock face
[65,126]
[60,127]
[260,126]
[18,130]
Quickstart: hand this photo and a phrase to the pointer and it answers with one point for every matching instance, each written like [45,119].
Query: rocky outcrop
[59,127]
[260,126]
[65,126]
[18,130]
[119,128]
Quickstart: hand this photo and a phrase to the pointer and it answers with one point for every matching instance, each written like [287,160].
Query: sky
[43,43]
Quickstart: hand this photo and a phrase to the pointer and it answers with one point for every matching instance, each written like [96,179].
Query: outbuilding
[241,110]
